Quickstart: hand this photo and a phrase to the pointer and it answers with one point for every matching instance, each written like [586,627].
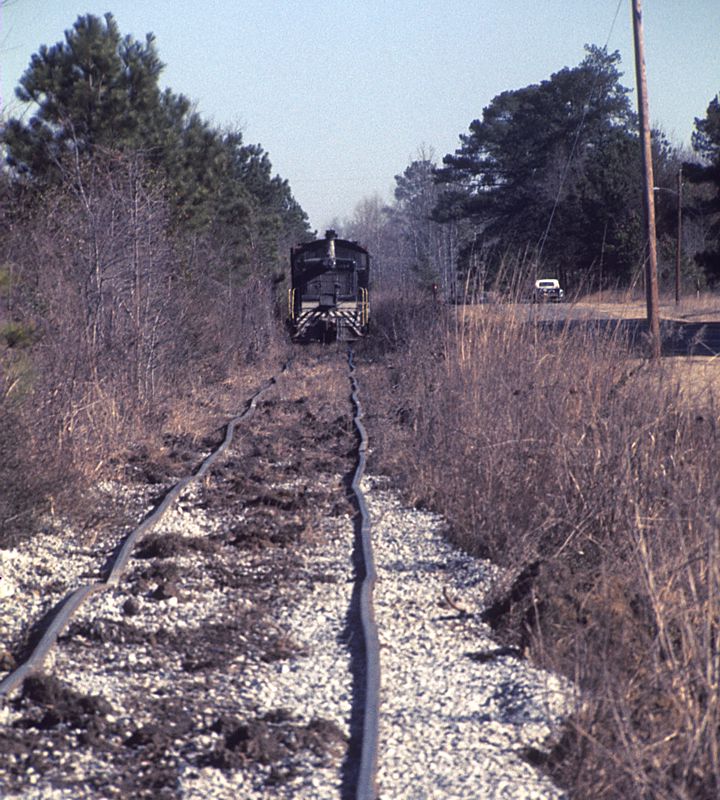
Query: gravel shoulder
[457,711]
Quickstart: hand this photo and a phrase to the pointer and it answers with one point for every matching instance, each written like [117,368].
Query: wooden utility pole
[678,248]
[651,281]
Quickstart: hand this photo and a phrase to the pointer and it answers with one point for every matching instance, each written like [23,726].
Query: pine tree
[95,88]
[706,143]
[550,171]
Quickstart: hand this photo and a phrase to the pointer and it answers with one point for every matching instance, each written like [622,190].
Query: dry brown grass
[591,476]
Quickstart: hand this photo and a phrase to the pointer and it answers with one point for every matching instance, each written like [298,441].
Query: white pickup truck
[548,290]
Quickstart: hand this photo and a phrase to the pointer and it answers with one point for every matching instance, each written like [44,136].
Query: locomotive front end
[329,297]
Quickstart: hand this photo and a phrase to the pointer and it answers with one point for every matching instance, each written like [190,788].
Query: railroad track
[96,625]
[237,657]
[57,619]
[366,578]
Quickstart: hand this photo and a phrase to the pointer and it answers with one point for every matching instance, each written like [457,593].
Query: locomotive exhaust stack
[330,237]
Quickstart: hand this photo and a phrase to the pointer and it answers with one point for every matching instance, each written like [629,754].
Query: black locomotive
[329,298]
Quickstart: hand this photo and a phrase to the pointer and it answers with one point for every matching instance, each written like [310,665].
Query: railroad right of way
[224,663]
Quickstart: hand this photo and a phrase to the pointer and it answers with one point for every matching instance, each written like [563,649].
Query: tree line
[140,246]
[548,183]
[97,93]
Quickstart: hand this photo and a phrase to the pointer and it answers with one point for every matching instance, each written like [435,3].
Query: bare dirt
[705,308]
[697,375]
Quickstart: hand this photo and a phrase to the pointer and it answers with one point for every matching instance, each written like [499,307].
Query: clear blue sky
[343,94]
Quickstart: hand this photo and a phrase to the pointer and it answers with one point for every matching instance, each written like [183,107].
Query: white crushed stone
[450,727]
[30,583]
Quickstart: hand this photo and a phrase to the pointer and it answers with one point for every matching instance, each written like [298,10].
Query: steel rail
[123,554]
[367,773]
[57,619]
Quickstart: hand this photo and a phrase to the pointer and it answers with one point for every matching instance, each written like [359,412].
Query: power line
[568,162]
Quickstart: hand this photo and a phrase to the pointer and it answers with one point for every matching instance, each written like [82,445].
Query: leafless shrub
[123,323]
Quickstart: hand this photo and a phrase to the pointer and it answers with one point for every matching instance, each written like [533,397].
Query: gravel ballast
[451,725]
[454,717]
[221,666]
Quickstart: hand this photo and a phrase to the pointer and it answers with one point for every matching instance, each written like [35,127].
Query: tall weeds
[583,470]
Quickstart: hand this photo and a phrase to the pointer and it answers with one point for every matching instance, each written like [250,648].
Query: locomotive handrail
[291,303]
